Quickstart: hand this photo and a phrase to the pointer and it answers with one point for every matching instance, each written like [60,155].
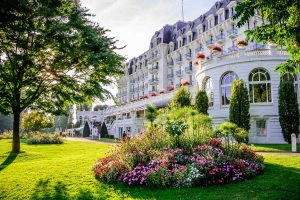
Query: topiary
[201,102]
[288,110]
[182,98]
[239,105]
[86,130]
[104,131]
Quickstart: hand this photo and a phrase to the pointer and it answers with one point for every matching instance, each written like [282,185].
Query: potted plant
[142,97]
[241,44]
[201,55]
[162,91]
[185,82]
[216,49]
[171,88]
[153,94]
[196,63]
[145,97]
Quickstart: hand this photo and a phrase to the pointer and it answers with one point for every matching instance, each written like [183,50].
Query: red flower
[161,91]
[201,55]
[216,48]
[185,82]
[196,63]
[171,88]
[153,94]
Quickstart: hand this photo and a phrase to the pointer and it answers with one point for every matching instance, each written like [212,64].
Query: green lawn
[64,172]
[273,147]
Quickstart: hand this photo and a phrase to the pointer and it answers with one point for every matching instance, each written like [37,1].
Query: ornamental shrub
[176,129]
[228,129]
[201,102]
[288,110]
[9,135]
[182,98]
[44,138]
[104,131]
[239,105]
[86,130]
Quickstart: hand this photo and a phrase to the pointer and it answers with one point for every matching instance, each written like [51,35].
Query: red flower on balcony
[185,82]
[196,63]
[216,48]
[145,97]
[171,88]
[153,94]
[132,100]
[201,55]
[142,97]
[161,91]
[242,43]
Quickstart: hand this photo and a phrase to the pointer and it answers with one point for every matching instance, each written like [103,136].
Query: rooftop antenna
[182,10]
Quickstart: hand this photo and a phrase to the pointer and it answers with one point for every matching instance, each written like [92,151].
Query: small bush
[202,102]
[44,138]
[9,135]
[228,129]
[182,98]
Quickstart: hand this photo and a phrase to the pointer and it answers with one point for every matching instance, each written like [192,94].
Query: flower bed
[210,164]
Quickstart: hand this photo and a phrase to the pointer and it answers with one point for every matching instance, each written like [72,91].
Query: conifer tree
[201,102]
[239,105]
[104,131]
[182,98]
[86,130]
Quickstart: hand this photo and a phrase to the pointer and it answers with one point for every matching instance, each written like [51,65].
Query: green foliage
[9,135]
[228,129]
[86,130]
[281,25]
[52,55]
[151,113]
[44,138]
[176,128]
[36,121]
[100,107]
[288,110]
[182,98]
[201,102]
[104,131]
[239,105]
[77,124]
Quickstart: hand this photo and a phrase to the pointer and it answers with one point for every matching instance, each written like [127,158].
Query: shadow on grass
[278,182]
[10,158]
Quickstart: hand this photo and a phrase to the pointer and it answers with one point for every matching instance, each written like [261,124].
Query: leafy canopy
[281,25]
[52,55]
[36,121]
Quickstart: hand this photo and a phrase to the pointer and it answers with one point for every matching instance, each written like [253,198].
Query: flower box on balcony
[171,88]
[145,97]
[196,63]
[153,94]
[201,55]
[185,82]
[241,44]
[161,91]
[216,48]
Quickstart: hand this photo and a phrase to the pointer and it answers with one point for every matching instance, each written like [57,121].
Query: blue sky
[133,22]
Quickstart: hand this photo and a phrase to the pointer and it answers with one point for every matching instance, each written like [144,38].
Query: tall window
[259,86]
[226,83]
[208,87]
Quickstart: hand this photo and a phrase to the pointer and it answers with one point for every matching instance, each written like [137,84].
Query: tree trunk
[16,132]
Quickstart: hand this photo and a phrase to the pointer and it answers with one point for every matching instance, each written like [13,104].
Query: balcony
[132,81]
[170,76]
[189,69]
[233,33]
[188,55]
[232,49]
[170,64]
[197,50]
[210,42]
[153,58]
[131,90]
[153,81]
[179,72]
[153,69]
[220,38]
[151,91]
[178,59]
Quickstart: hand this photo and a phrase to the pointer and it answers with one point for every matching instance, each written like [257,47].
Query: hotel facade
[173,59]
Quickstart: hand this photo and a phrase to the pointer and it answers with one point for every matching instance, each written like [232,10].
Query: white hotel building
[154,76]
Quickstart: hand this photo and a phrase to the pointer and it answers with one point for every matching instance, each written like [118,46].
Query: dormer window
[221,17]
[210,23]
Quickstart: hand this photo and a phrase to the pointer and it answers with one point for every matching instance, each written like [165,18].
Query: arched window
[226,83]
[208,87]
[259,86]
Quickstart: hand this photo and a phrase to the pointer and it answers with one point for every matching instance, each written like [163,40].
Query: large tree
[239,105]
[36,121]
[281,25]
[288,109]
[52,55]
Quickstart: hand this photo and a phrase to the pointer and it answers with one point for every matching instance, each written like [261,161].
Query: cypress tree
[104,131]
[201,102]
[182,98]
[86,130]
[239,105]
[288,110]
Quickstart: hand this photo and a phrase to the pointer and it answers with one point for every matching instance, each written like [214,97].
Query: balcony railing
[197,50]
[170,64]
[153,69]
[232,49]
[170,76]
[188,55]
[210,42]
[153,57]
[131,90]
[153,80]
[179,72]
[189,69]
[233,33]
[178,59]
[150,91]
[220,38]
